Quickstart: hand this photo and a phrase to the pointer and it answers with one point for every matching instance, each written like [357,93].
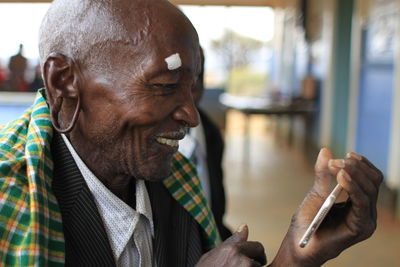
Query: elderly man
[102,185]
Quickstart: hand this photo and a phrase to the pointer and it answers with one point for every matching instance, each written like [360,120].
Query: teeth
[168,142]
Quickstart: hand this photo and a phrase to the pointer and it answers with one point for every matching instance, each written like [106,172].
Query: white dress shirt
[129,231]
[193,146]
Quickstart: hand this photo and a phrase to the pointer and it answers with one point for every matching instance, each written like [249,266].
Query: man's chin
[153,169]
[156,175]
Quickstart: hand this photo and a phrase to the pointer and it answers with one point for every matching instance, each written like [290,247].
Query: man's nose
[187,112]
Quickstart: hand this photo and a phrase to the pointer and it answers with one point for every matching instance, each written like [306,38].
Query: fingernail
[241,227]
[345,175]
[330,163]
[320,153]
[354,155]
[338,163]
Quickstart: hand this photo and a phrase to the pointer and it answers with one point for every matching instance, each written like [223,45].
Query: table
[270,106]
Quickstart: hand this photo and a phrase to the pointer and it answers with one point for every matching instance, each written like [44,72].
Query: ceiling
[271,3]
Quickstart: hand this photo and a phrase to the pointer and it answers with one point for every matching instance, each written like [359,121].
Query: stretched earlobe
[60,77]
[54,115]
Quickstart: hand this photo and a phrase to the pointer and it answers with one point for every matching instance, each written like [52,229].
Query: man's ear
[61,75]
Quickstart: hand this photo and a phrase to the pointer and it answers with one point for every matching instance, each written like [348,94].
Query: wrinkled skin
[126,108]
[347,224]
[236,251]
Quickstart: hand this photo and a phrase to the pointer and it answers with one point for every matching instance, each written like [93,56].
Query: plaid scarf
[31,231]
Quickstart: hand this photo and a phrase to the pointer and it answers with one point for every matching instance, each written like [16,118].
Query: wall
[356,57]
[341,77]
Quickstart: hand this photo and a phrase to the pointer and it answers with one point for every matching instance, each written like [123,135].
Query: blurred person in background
[204,146]
[3,77]
[17,67]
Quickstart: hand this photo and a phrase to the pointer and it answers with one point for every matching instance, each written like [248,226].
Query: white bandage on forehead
[174,61]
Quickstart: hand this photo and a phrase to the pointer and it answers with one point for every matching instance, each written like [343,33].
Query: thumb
[322,164]
[241,235]
[323,175]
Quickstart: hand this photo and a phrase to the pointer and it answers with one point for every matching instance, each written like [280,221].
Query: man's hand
[346,224]
[235,251]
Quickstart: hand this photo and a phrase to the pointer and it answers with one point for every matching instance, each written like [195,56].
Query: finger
[361,221]
[360,218]
[256,264]
[335,165]
[366,178]
[321,165]
[368,187]
[367,166]
[240,235]
[244,261]
[323,177]
[365,172]
[361,158]
[367,162]
[360,201]
[253,250]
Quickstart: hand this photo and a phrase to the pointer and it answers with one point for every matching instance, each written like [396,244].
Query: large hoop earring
[73,121]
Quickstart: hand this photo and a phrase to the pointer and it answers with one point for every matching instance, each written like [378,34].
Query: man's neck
[123,186]
[123,190]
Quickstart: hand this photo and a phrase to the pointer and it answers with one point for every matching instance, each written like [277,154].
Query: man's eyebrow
[163,73]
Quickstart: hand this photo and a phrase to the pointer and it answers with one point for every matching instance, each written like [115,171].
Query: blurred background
[283,78]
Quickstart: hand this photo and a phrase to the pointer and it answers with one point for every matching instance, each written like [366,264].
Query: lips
[171,139]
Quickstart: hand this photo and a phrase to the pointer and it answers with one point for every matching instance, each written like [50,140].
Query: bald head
[86,30]
[118,77]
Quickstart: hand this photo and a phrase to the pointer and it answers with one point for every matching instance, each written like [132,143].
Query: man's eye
[165,88]
[165,85]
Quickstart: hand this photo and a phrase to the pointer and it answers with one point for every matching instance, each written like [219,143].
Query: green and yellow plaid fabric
[30,220]
[184,185]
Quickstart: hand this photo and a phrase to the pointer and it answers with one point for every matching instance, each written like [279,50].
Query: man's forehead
[157,23]
[152,14]
[174,65]
[143,31]
[170,48]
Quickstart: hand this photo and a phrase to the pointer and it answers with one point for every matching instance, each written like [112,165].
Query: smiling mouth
[168,142]
[171,139]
